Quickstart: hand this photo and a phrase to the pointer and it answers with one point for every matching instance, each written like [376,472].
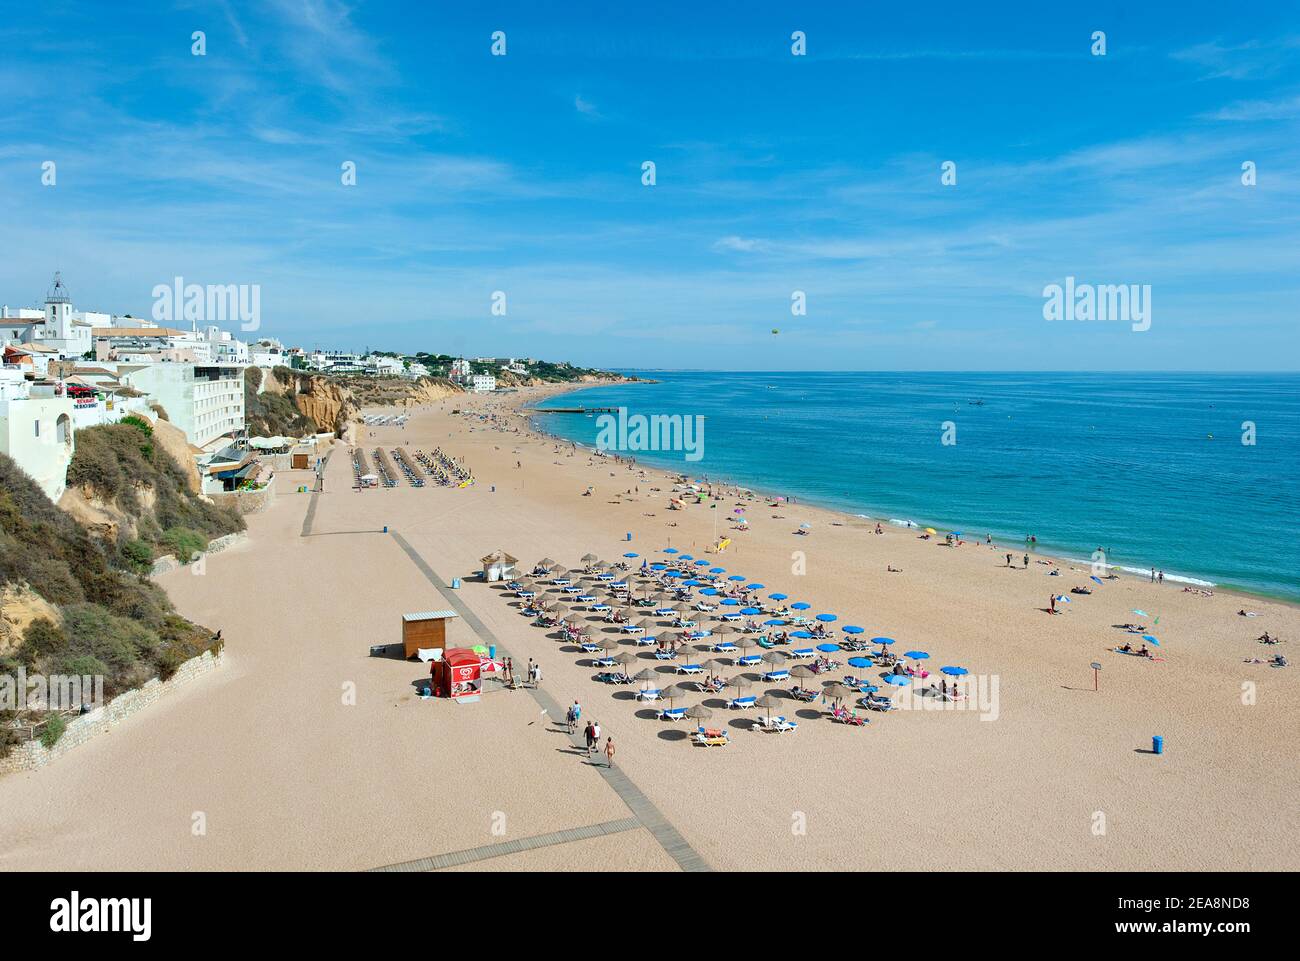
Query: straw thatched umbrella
[698,712]
[838,691]
[767,701]
[588,558]
[649,674]
[645,624]
[724,629]
[624,659]
[714,666]
[673,691]
[802,671]
[775,657]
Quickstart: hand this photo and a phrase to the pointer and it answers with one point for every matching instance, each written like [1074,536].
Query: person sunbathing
[1144,652]
[1127,648]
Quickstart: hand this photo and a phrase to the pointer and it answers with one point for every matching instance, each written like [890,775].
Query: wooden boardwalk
[453,858]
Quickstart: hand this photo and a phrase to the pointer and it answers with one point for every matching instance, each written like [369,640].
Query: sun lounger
[731,617]
[633,629]
[664,654]
[613,677]
[711,740]
[591,648]
[801,652]
[724,647]
[778,724]
[877,703]
[689,669]
[605,662]
[781,675]
[649,694]
[672,714]
[739,703]
[644,640]
[764,643]
[805,695]
[749,660]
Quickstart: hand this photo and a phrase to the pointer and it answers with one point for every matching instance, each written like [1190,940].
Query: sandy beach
[284,769]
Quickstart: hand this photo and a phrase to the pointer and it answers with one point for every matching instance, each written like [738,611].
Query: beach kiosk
[458,676]
[499,566]
[426,629]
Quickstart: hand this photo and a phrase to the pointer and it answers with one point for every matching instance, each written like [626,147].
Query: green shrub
[137,556]
[184,542]
[139,423]
[52,730]
[84,665]
[43,638]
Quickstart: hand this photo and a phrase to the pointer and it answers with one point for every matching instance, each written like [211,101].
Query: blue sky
[775,173]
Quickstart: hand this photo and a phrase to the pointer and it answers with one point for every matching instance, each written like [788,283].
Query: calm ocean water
[1123,461]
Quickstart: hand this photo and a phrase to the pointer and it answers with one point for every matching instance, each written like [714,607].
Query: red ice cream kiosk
[458,675]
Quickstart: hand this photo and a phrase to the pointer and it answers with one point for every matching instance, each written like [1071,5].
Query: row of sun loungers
[384,468]
[407,468]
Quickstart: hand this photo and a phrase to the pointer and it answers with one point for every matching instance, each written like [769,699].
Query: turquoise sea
[1150,466]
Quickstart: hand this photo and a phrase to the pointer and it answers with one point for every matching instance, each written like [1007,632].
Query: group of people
[591,733]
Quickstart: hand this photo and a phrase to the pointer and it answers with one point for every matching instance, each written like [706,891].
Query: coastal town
[67,369]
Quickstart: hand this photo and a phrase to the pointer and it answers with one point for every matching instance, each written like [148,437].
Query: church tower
[58,310]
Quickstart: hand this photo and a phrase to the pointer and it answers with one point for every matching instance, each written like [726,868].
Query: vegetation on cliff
[121,465]
[271,413]
[110,621]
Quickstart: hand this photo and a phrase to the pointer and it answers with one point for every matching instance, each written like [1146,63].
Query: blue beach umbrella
[869,688]
[851,629]
[898,680]
[631,554]
[774,622]
[717,570]
[730,602]
[674,574]
[954,671]
[686,557]
[671,550]
[701,563]
[736,577]
[750,611]
[710,591]
[916,655]
[827,618]
[1148,637]
[1094,577]
[658,567]
[861,662]
[755,586]
[801,634]
[799,606]
[882,640]
[777,597]
[827,648]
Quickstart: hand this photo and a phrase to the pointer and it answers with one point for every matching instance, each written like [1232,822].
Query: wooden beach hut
[425,629]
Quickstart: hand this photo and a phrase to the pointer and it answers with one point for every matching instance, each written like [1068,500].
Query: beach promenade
[305,752]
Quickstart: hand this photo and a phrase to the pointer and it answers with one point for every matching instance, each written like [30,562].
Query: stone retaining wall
[247,502]
[168,562]
[34,754]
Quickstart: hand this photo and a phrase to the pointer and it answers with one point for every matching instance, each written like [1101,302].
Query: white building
[460,369]
[482,383]
[58,326]
[36,432]
[205,401]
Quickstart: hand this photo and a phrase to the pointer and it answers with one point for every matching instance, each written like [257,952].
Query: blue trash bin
[492,651]
[455,583]
[1157,745]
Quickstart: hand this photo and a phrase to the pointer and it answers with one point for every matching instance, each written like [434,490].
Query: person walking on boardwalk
[609,752]
[591,737]
[595,737]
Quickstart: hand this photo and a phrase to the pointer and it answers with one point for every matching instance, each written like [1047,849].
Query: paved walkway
[646,813]
[453,858]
